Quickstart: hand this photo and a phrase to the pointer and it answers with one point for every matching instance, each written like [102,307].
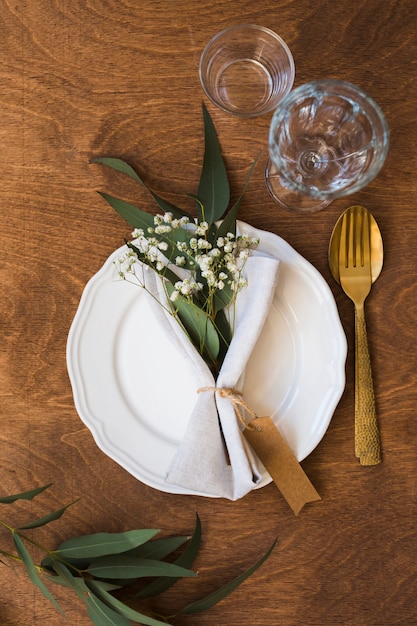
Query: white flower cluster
[215,266]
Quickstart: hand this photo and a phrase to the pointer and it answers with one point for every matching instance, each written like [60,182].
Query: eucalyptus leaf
[121,166]
[56,579]
[47,518]
[102,615]
[159,548]
[140,219]
[125,566]
[99,610]
[62,575]
[213,190]
[103,544]
[25,495]
[186,559]
[66,577]
[228,225]
[46,562]
[198,325]
[78,563]
[223,297]
[220,594]
[225,334]
[122,608]
[32,570]
[129,212]
[105,585]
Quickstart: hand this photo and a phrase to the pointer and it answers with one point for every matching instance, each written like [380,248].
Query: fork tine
[366,239]
[357,234]
[352,238]
[343,242]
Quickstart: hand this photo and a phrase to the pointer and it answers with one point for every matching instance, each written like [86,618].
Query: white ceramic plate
[135,394]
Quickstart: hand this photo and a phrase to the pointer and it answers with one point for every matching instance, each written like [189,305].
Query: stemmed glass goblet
[327,139]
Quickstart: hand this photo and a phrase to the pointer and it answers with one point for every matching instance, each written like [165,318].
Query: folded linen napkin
[201,463]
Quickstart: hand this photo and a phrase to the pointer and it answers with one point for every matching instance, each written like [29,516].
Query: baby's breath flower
[210,277]
[162,245]
[248,242]
[163,229]
[185,287]
[174,296]
[168,217]
[153,253]
[204,261]
[126,262]
[201,229]
[203,244]
[180,261]
[182,246]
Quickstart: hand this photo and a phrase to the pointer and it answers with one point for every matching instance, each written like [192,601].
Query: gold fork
[356,281]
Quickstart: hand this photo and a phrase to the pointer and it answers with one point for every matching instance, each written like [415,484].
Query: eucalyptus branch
[206,248]
[94,566]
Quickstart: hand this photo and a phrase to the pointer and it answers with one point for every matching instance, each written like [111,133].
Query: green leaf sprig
[199,260]
[99,567]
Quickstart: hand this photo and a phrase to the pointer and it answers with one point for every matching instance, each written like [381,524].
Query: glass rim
[323,85]
[245,26]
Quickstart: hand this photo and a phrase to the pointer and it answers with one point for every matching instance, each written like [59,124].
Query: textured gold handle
[367,443]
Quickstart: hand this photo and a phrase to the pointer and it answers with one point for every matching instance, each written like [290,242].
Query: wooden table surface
[120,78]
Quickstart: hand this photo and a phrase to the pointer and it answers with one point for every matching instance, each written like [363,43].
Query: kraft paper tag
[286,472]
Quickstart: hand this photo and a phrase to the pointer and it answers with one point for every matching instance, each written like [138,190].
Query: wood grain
[120,78]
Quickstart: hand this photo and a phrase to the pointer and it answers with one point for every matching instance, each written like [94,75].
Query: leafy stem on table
[99,567]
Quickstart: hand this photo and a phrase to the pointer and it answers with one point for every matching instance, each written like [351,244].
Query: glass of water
[246,70]
[327,139]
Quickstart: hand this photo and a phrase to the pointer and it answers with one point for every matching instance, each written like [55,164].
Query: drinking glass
[327,139]
[246,70]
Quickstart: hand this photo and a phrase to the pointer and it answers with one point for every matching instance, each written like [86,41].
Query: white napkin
[201,463]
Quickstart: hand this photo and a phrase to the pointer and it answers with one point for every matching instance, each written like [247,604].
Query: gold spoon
[366,412]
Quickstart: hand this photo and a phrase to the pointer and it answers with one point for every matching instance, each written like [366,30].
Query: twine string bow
[235,397]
